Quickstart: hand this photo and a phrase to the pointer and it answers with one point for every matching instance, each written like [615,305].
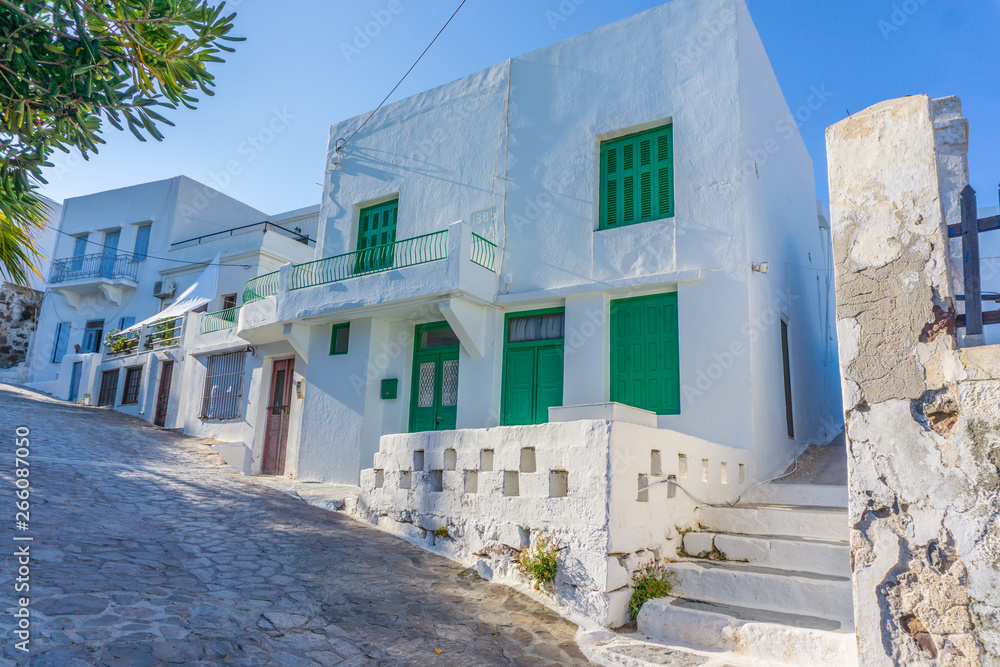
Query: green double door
[645,353]
[533,367]
[434,394]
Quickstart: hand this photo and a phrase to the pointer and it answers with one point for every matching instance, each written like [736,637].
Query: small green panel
[390,389]
[637,178]
[645,353]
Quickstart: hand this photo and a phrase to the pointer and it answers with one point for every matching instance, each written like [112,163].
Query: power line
[147,256]
[341,143]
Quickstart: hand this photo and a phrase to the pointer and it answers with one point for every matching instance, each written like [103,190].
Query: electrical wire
[341,143]
[148,256]
[727,504]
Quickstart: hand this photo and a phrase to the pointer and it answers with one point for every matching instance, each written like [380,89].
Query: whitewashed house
[548,295]
[522,238]
[128,256]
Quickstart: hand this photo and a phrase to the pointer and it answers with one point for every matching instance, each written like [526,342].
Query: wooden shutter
[637,178]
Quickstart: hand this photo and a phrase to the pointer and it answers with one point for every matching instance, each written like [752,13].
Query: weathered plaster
[922,417]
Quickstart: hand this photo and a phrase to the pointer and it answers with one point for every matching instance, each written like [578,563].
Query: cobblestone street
[147,550]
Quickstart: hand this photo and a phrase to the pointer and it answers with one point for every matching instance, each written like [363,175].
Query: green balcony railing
[260,287]
[409,252]
[221,320]
[484,253]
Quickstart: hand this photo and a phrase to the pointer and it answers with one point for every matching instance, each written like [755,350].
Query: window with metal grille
[133,378]
[228,301]
[223,386]
[109,388]
[637,178]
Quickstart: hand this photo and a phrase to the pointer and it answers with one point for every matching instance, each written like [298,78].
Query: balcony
[427,268]
[110,273]
[159,335]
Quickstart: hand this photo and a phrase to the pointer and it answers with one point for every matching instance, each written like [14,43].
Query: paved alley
[147,550]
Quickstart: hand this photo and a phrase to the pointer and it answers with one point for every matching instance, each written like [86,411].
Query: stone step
[778,637]
[814,495]
[786,553]
[791,591]
[825,523]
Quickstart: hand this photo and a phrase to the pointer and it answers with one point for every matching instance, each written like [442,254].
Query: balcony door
[376,234]
[92,336]
[111,240]
[434,393]
[79,250]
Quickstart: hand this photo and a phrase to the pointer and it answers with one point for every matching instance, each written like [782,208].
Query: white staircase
[768,578]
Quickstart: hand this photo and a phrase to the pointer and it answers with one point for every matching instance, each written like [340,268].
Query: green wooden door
[645,354]
[533,367]
[434,394]
[376,234]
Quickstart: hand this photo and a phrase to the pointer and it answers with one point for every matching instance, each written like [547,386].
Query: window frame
[655,193]
[337,328]
[233,298]
[130,391]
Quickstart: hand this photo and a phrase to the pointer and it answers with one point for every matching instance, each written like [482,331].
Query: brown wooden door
[163,396]
[276,435]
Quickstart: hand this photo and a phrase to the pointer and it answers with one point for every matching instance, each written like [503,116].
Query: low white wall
[577,480]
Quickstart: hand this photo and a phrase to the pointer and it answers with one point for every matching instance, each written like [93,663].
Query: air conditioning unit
[164,289]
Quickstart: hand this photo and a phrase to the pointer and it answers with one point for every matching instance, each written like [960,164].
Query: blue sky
[262,137]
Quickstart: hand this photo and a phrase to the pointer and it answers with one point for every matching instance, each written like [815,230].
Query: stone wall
[18,316]
[580,478]
[922,414]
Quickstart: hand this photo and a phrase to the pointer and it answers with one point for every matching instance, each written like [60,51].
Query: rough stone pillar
[922,416]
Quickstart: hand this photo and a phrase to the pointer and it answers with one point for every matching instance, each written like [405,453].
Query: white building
[588,186]
[122,257]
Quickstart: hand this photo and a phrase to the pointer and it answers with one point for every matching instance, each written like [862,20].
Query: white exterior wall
[454,150]
[784,232]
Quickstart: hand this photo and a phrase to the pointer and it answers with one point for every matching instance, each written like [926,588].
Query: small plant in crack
[650,581]
[540,561]
[441,532]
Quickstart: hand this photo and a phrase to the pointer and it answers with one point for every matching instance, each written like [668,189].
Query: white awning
[203,290]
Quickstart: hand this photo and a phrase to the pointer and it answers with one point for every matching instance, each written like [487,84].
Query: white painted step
[786,553]
[784,638]
[825,523]
[815,495]
[756,587]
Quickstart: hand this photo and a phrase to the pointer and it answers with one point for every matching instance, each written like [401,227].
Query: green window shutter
[637,178]
[645,353]
[665,172]
[376,234]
